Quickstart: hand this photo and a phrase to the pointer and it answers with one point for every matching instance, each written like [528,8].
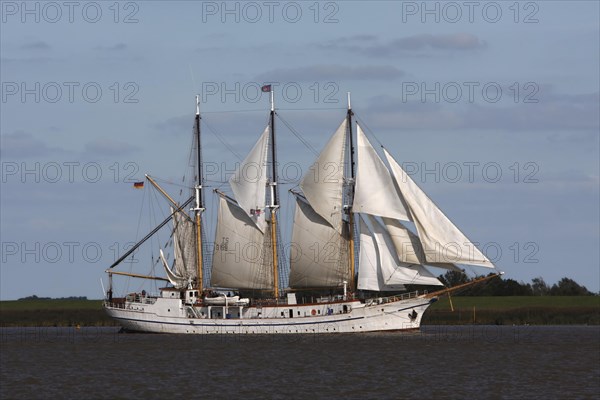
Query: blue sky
[494,109]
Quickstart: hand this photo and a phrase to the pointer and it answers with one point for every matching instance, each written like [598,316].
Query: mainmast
[199,202]
[351,199]
[274,199]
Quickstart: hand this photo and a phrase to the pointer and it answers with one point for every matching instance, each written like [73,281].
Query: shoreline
[501,310]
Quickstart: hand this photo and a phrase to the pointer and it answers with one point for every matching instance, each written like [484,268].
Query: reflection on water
[439,362]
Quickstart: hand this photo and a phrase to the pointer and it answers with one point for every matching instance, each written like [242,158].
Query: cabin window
[298,312]
[282,313]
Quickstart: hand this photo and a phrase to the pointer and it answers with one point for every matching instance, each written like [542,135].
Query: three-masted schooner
[361,228]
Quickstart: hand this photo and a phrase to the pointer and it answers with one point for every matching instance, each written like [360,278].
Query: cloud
[552,111]
[331,73]
[370,45]
[115,47]
[37,45]
[20,144]
[107,147]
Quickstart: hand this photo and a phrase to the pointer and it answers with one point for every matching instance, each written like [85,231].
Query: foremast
[274,205]
[199,203]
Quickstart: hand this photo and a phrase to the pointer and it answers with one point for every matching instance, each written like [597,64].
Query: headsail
[375,192]
[442,241]
[408,246]
[380,269]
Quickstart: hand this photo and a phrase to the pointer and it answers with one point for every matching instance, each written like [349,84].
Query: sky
[492,107]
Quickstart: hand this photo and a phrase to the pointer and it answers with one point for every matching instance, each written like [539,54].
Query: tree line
[510,287]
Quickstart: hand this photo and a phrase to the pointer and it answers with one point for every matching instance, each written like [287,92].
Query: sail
[184,243]
[242,255]
[318,256]
[184,250]
[250,180]
[375,191]
[390,270]
[369,263]
[408,247]
[177,280]
[442,241]
[323,184]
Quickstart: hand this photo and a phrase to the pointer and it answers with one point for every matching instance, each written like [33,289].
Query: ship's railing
[138,298]
[391,299]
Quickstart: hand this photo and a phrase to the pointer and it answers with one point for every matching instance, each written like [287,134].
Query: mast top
[197,105]
[349,105]
[272,100]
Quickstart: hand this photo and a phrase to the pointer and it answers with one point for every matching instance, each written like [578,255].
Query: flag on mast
[266,88]
[138,185]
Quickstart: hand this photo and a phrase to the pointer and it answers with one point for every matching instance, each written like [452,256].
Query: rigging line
[172,183]
[149,235]
[366,128]
[313,108]
[298,135]
[223,141]
[233,111]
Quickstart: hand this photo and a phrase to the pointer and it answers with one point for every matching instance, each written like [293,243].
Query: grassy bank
[509,310]
[505,310]
[53,313]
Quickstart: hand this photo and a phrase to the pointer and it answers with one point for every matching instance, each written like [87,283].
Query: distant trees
[510,287]
[34,297]
[568,287]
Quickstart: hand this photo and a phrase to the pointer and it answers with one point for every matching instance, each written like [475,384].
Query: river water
[438,362]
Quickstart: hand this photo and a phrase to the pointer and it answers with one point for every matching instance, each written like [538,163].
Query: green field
[503,310]
[510,302]
[510,310]
[53,313]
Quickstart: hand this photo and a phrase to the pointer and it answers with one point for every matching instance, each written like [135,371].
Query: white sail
[250,180]
[369,263]
[242,255]
[375,191]
[184,251]
[318,255]
[408,247]
[391,271]
[442,241]
[324,182]
[177,280]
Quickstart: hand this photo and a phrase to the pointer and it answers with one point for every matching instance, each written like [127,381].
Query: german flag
[138,185]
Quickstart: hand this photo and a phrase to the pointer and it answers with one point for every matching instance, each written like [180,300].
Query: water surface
[438,362]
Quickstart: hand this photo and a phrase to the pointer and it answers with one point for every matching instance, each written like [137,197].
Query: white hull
[160,315]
